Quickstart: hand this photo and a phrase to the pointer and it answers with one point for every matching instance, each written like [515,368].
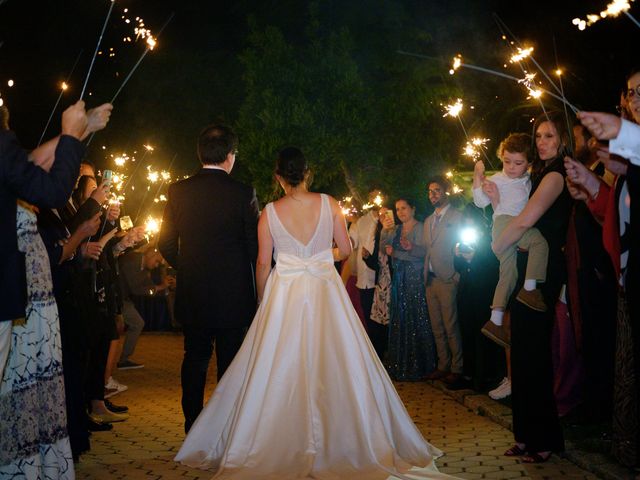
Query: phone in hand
[106,177]
[126,223]
[389,215]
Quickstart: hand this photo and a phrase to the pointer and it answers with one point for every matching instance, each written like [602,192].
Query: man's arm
[168,239]
[31,183]
[250,219]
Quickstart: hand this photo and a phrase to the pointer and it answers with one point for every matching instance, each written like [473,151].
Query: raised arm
[549,190]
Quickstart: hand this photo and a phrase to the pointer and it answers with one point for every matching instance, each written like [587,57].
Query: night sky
[194,76]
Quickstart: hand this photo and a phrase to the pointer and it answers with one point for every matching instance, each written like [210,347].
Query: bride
[306,396]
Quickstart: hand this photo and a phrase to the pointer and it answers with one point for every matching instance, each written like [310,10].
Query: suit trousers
[443,311]
[198,348]
[135,323]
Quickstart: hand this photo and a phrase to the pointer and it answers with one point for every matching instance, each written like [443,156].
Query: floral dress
[33,436]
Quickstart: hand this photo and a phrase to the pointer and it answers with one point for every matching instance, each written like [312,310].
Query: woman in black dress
[536,426]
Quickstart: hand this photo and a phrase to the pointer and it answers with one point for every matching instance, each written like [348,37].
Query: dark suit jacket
[209,235]
[19,178]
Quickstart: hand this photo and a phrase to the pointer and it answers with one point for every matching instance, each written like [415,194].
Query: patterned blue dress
[412,351]
[33,435]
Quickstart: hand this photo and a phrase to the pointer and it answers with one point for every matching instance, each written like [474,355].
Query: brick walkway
[143,447]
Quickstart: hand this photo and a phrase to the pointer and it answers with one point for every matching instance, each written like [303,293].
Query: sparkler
[151,43]
[614,9]
[474,148]
[377,202]
[152,226]
[63,88]
[104,26]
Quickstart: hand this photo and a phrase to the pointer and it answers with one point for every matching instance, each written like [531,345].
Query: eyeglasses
[633,91]
[435,190]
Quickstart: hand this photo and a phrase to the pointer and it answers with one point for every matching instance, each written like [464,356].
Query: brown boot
[532,299]
[496,333]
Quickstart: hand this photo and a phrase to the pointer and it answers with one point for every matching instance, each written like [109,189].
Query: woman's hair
[78,194]
[292,166]
[409,201]
[4,118]
[516,143]
[561,124]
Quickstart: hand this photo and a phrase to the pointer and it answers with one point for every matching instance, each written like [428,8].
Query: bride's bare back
[300,215]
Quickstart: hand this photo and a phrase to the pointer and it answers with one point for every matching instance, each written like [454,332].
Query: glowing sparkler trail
[521,55]
[104,26]
[151,43]
[614,9]
[63,87]
[509,77]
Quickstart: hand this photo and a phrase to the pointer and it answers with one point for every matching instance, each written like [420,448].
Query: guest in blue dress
[411,354]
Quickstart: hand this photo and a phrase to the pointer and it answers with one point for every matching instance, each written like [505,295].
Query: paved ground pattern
[143,447]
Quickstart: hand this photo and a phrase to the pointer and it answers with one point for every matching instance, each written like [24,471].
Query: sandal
[515,451]
[537,457]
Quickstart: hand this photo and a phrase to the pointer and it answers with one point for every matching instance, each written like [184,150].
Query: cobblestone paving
[143,447]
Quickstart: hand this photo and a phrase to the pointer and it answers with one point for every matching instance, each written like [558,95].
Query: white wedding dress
[306,396]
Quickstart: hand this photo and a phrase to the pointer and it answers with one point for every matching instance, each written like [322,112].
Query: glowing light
[1,102]
[521,55]
[449,174]
[151,43]
[558,72]
[377,202]
[152,226]
[456,189]
[166,176]
[64,86]
[454,109]
[529,82]
[119,161]
[473,148]
[457,63]
[152,176]
[10,83]
[614,9]
[469,236]
[149,148]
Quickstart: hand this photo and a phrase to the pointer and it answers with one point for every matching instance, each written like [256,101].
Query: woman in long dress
[306,396]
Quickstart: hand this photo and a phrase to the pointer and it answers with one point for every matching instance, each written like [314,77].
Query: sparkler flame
[454,109]
[457,63]
[152,226]
[377,202]
[614,9]
[521,55]
[473,148]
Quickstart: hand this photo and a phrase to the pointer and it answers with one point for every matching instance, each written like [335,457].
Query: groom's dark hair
[215,143]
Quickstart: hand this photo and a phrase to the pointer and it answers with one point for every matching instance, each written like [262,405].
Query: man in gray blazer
[441,234]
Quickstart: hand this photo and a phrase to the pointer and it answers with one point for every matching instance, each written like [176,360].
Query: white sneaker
[113,387]
[501,391]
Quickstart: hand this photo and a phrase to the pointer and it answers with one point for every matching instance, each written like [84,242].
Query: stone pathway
[143,447]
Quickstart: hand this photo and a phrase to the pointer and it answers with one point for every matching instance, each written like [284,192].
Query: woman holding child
[536,426]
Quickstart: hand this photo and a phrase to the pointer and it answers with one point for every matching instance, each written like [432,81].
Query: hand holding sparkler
[603,126]
[97,119]
[580,180]
[74,120]
[91,250]
[113,211]
[491,190]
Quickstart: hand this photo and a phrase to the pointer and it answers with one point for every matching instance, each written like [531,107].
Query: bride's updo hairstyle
[291,166]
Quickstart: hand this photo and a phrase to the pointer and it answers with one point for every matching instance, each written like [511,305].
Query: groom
[209,235]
